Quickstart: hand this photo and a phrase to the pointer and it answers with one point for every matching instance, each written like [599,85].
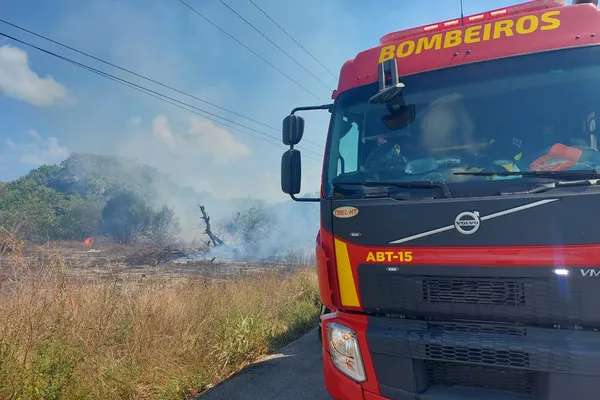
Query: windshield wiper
[408,185]
[564,175]
[563,178]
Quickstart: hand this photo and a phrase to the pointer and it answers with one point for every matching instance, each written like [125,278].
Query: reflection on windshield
[527,113]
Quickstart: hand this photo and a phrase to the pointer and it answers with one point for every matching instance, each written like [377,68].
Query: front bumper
[417,360]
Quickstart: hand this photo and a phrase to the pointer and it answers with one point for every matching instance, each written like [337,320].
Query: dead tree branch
[206,218]
[154,255]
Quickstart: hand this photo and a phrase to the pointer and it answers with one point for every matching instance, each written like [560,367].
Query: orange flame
[88,242]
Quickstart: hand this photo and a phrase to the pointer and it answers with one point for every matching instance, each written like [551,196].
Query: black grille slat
[478,376]
[475,327]
[475,355]
[473,291]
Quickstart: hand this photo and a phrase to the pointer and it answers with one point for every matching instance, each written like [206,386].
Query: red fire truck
[458,257]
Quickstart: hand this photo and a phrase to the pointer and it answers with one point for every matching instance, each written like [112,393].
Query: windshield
[527,113]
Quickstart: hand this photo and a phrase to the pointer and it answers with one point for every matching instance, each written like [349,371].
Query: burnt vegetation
[110,273]
[117,200]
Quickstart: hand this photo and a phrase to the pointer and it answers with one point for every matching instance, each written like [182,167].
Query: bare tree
[214,239]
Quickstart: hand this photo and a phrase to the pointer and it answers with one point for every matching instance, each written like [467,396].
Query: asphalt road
[294,373]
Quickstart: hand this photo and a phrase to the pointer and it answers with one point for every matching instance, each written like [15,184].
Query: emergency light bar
[529,6]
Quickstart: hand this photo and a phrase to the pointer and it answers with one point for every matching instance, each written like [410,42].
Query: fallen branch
[154,255]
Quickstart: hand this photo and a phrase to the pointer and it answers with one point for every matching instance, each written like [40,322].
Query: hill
[100,196]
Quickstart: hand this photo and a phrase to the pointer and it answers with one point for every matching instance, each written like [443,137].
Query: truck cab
[458,255]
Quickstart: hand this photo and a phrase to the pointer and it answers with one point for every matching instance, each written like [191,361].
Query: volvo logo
[467,222]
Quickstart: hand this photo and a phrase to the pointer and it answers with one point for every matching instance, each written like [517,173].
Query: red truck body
[483,293]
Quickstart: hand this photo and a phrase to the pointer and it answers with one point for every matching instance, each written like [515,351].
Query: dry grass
[144,339]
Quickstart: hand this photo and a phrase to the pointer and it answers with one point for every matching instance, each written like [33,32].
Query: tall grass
[148,339]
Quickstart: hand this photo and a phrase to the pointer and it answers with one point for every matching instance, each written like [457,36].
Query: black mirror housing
[400,119]
[291,172]
[292,130]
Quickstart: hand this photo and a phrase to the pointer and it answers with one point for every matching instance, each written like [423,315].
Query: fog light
[345,353]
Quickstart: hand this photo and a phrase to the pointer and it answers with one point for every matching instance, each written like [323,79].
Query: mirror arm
[308,108]
[305,199]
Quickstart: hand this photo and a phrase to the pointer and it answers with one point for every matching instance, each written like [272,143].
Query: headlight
[345,353]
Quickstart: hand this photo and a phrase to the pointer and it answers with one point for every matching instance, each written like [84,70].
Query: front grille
[478,296]
[416,356]
[475,328]
[502,292]
[478,376]
[476,355]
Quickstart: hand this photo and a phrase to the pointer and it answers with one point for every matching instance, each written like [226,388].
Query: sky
[50,108]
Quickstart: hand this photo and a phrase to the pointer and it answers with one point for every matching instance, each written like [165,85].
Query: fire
[88,242]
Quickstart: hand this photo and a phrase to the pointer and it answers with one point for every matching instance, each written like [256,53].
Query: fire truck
[458,255]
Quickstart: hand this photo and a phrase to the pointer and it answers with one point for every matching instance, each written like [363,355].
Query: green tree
[31,206]
[163,228]
[125,217]
[43,213]
[79,218]
[252,228]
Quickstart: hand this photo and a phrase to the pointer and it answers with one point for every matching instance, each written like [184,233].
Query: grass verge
[150,339]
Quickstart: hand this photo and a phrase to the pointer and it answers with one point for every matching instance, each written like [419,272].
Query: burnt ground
[109,260]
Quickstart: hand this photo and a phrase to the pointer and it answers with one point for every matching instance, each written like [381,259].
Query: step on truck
[458,254]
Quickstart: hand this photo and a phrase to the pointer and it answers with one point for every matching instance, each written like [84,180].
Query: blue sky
[49,108]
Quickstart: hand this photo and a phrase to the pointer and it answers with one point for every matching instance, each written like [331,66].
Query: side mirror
[291,172]
[293,129]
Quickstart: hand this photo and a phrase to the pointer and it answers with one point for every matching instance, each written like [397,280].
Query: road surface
[295,373]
